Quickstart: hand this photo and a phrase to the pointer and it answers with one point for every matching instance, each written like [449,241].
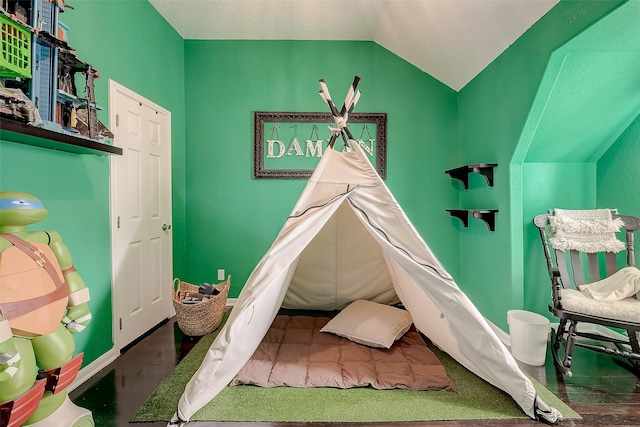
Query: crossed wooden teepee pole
[341,117]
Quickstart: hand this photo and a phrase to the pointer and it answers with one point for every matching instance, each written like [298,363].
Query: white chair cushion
[627,309]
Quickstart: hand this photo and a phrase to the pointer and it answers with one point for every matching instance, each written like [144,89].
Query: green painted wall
[546,186]
[223,218]
[130,43]
[587,98]
[619,174]
[499,115]
[232,219]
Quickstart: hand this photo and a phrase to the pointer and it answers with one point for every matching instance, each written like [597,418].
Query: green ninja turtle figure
[43,301]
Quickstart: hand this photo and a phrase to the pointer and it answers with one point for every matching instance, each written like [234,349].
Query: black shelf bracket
[462,173]
[486,215]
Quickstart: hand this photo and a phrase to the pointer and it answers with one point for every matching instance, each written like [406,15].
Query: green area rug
[475,399]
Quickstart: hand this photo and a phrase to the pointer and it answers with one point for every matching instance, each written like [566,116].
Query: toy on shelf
[43,301]
[36,59]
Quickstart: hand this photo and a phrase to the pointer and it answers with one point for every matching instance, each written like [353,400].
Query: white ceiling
[451,40]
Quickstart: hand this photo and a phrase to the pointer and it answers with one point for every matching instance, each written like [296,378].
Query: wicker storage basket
[203,318]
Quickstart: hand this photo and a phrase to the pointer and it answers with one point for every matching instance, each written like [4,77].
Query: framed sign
[289,145]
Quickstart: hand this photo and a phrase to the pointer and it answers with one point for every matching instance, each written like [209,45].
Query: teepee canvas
[348,239]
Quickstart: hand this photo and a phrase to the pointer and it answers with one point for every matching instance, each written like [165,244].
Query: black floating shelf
[22,133]
[462,173]
[487,215]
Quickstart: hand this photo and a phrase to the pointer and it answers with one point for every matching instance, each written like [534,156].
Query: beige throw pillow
[370,323]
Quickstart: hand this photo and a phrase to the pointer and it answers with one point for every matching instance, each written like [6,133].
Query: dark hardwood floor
[601,391]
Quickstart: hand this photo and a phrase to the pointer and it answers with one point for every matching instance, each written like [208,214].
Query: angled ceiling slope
[451,40]
[592,91]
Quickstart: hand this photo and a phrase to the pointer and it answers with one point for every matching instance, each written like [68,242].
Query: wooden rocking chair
[570,268]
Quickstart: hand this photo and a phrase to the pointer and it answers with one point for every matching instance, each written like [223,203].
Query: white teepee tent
[347,239]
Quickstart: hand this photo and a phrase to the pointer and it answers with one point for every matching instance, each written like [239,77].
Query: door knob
[166,227]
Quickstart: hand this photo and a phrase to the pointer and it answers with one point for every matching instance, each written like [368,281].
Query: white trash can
[529,333]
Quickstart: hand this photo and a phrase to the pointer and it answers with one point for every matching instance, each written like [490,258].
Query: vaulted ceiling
[594,81]
[451,40]
[591,91]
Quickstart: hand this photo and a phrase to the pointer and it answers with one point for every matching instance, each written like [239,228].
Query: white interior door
[141,214]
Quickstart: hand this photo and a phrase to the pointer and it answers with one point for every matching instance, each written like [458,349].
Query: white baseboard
[93,368]
[231,302]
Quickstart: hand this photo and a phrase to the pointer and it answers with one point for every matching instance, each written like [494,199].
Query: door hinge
[118,222]
[120,323]
[117,120]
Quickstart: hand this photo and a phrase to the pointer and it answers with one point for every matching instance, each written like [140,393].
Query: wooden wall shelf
[15,131]
[462,173]
[487,215]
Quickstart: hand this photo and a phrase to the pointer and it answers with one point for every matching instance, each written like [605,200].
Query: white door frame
[115,87]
